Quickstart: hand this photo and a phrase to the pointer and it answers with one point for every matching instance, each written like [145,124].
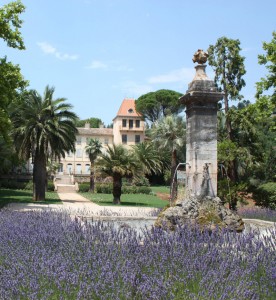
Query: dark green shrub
[107,188]
[265,195]
[104,188]
[50,186]
[13,184]
[84,187]
[129,189]
[140,181]
[144,190]
[29,186]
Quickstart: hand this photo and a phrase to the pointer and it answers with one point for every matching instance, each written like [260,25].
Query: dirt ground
[163,196]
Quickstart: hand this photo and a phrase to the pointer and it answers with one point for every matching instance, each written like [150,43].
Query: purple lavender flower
[50,255]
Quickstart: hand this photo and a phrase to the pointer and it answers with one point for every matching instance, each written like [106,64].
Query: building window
[69,169]
[78,140]
[87,169]
[124,122]
[137,123]
[130,111]
[70,154]
[79,153]
[130,123]
[106,141]
[137,139]
[78,169]
[124,138]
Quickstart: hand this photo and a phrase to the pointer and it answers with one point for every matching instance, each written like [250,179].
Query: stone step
[63,180]
[66,188]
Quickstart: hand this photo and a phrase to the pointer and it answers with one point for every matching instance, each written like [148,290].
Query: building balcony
[127,128]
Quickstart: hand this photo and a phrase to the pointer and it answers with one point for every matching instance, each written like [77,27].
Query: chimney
[87,125]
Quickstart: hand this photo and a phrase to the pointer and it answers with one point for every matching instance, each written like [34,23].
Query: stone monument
[201,204]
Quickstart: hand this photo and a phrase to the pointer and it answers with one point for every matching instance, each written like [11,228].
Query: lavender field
[50,255]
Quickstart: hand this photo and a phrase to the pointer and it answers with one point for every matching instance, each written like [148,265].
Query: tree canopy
[10,24]
[269,60]
[155,105]
[169,134]
[229,69]
[117,162]
[43,127]
[93,122]
[93,149]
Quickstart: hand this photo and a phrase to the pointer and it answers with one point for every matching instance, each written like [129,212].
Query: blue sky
[98,52]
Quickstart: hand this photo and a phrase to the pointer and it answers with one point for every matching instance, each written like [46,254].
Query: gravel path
[77,204]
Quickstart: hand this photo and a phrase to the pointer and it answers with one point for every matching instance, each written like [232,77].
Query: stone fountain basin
[142,223]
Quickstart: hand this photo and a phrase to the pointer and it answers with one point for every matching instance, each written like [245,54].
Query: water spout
[173,181]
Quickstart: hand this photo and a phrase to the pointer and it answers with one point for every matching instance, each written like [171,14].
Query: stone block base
[209,213]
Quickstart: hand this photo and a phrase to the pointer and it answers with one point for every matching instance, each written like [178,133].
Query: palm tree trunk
[39,177]
[117,188]
[92,181]
[173,178]
[34,176]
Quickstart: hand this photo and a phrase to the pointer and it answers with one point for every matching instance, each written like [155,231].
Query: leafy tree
[169,133]
[93,122]
[149,157]
[10,23]
[5,155]
[11,80]
[12,84]
[269,60]
[93,149]
[43,127]
[118,163]
[155,105]
[229,69]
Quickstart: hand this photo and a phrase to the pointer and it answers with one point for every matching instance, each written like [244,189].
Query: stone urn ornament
[200,56]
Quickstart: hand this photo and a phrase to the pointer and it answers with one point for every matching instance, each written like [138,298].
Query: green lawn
[22,196]
[127,200]
[160,189]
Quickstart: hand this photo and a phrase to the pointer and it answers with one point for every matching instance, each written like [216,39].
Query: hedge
[23,185]
[107,188]
[265,195]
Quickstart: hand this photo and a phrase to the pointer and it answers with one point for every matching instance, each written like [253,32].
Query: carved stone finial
[200,56]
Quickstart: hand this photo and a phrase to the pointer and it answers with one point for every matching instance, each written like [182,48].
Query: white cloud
[184,75]
[111,66]
[49,49]
[133,89]
[96,64]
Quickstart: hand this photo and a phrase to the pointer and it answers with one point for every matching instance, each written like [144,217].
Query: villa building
[128,129]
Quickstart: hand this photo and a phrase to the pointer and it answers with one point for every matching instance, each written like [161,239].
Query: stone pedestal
[200,205]
[201,146]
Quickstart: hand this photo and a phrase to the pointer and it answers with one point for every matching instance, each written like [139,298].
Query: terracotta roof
[127,109]
[95,131]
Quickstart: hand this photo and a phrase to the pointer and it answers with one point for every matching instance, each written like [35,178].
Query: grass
[141,200]
[22,196]
[160,189]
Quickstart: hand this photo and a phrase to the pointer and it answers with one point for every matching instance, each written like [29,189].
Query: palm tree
[118,163]
[93,149]
[169,133]
[43,128]
[149,157]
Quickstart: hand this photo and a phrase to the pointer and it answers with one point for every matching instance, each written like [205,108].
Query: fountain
[201,204]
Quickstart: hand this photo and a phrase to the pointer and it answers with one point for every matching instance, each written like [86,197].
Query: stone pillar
[201,101]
